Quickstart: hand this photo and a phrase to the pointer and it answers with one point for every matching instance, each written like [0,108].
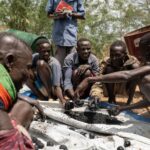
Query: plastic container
[132,40]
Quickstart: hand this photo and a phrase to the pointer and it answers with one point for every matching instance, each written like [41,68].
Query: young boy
[78,66]
[119,60]
[142,74]
[46,80]
[15,64]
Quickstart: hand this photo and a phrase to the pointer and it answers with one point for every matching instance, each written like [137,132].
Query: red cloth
[14,140]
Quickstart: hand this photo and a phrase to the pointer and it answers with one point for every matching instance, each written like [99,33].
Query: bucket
[29,38]
[132,40]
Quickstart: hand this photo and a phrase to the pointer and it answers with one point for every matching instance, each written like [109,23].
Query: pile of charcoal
[93,117]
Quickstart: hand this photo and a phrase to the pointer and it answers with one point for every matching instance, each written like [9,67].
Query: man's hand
[81,88]
[40,109]
[82,69]
[59,15]
[114,111]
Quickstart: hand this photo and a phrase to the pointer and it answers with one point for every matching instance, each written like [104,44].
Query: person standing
[65,14]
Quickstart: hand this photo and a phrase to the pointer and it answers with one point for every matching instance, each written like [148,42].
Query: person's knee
[41,64]
[88,73]
[23,113]
[43,67]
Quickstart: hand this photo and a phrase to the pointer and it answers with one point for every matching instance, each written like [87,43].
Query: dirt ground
[121,100]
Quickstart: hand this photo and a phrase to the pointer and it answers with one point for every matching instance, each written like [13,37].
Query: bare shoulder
[146,79]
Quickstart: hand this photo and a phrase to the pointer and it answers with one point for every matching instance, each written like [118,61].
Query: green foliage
[105,21]
[14,13]
[41,23]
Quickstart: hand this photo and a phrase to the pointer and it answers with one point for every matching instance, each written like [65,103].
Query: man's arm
[59,94]
[95,66]
[80,14]
[117,109]
[121,76]
[67,71]
[32,102]
[77,16]
[116,77]
[58,15]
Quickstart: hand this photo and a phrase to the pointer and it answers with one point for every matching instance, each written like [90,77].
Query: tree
[105,21]
[41,23]
[15,14]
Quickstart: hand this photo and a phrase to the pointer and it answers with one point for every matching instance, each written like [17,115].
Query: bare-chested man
[15,114]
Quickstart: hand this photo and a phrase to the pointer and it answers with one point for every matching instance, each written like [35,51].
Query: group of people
[80,73]
[73,73]
[51,81]
[59,77]
[138,75]
[48,80]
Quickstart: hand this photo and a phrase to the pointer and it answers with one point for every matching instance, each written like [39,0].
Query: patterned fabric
[5,98]
[7,88]
[14,140]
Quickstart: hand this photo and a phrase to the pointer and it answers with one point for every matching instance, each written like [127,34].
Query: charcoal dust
[93,117]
